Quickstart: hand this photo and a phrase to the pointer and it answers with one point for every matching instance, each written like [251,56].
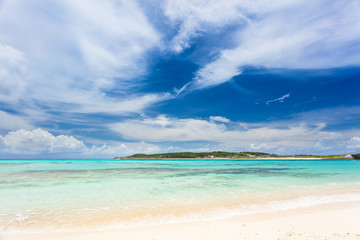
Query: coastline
[221,155]
[327,221]
[268,158]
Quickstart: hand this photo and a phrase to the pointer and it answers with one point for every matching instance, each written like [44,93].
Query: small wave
[249,209]
[283,205]
[20,217]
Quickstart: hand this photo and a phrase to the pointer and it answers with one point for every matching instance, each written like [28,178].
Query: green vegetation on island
[228,155]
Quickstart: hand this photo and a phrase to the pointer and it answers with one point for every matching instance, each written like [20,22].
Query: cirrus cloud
[219,119]
[77,58]
[13,122]
[296,34]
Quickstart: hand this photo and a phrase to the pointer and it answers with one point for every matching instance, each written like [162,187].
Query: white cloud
[331,116]
[219,119]
[119,35]
[103,104]
[330,141]
[13,122]
[195,17]
[38,141]
[81,51]
[86,56]
[162,129]
[354,143]
[105,38]
[123,149]
[12,69]
[280,99]
[183,135]
[297,34]
[262,146]
[283,137]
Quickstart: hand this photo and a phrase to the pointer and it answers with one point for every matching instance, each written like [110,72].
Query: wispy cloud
[280,99]
[12,72]
[104,47]
[332,116]
[13,122]
[195,17]
[219,119]
[94,50]
[296,34]
[91,63]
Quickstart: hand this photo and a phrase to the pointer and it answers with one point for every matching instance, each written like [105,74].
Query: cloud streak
[280,99]
[196,17]
[13,122]
[288,35]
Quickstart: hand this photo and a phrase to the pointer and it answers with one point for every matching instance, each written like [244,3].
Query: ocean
[72,195]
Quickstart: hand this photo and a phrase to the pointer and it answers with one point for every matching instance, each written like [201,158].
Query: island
[234,155]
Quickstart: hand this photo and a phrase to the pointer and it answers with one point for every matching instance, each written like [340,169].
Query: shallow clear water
[68,194]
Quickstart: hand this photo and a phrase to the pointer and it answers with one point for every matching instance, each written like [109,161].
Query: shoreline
[326,221]
[125,158]
[201,211]
[269,158]
[237,156]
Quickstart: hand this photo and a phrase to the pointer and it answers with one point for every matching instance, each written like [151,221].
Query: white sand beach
[329,221]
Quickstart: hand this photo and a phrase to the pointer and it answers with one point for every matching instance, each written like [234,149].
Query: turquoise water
[68,194]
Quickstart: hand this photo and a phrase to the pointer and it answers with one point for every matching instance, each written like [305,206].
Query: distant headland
[234,155]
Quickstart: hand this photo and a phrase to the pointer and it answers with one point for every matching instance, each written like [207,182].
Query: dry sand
[331,221]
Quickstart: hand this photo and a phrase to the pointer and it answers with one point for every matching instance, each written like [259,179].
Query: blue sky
[99,79]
